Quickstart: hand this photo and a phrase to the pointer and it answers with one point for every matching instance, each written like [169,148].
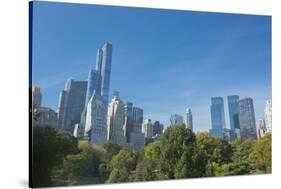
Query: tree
[50,146]
[151,161]
[111,148]
[121,166]
[261,154]
[216,149]
[81,168]
[173,143]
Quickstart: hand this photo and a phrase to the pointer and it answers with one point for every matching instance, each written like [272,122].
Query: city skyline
[135,63]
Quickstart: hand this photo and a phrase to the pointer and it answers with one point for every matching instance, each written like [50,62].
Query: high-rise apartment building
[157,128]
[261,128]
[71,104]
[95,124]
[147,128]
[268,115]
[115,122]
[217,117]
[137,115]
[188,119]
[36,97]
[106,70]
[247,121]
[233,106]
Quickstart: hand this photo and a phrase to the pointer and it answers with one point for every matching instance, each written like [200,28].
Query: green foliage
[260,155]
[179,153]
[49,149]
[216,149]
[122,165]
[82,167]
[111,148]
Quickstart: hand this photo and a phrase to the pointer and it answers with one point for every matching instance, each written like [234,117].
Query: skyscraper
[147,128]
[261,128]
[128,119]
[176,120]
[36,97]
[233,105]
[92,84]
[157,128]
[115,121]
[106,70]
[95,125]
[217,117]
[137,115]
[188,119]
[247,121]
[71,104]
[268,115]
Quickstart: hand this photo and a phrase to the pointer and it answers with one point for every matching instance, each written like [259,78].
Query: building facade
[46,117]
[106,70]
[176,120]
[36,97]
[188,119]
[247,121]
[157,128]
[268,115]
[137,115]
[71,104]
[147,128]
[115,122]
[233,106]
[217,117]
[261,128]
[95,125]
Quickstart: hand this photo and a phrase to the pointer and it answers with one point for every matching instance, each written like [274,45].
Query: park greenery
[60,159]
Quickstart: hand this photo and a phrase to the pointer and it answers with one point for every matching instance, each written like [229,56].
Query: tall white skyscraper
[268,115]
[247,121]
[147,128]
[261,129]
[36,97]
[95,125]
[115,121]
[188,119]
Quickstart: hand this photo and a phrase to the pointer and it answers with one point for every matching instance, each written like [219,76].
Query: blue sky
[163,60]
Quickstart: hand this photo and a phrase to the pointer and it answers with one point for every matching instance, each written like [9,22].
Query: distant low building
[44,116]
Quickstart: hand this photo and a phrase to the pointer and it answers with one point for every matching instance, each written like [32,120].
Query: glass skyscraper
[247,121]
[71,104]
[137,115]
[92,84]
[176,120]
[233,105]
[217,116]
[106,70]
